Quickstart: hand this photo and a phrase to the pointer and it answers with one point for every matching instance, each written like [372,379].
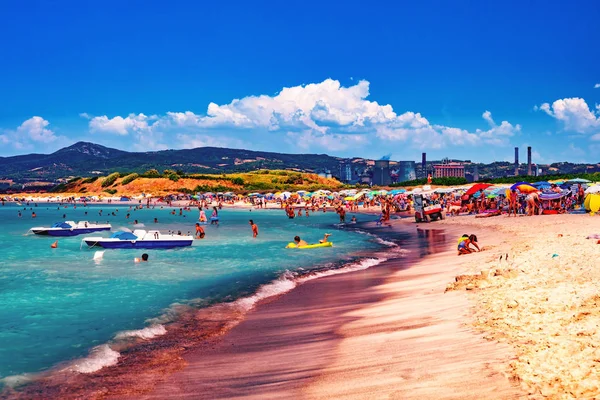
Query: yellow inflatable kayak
[292,245]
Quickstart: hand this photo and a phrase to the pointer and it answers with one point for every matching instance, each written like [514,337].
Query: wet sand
[386,332]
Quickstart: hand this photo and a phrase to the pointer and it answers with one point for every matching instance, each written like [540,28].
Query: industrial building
[406,171]
[449,170]
[381,173]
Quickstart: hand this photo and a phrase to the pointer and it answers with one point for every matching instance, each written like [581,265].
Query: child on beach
[464,243]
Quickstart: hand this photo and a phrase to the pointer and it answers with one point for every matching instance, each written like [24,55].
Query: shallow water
[57,304]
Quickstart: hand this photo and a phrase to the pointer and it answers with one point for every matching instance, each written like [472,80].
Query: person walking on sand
[512,202]
[254,229]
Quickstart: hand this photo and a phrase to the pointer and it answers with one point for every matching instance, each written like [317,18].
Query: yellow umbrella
[349,198]
[592,203]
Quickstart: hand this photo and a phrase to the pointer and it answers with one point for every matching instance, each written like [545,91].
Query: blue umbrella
[541,184]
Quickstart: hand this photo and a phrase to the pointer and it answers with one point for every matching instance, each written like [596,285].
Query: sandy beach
[427,325]
[386,332]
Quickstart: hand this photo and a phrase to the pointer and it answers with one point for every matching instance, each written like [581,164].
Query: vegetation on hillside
[170,181]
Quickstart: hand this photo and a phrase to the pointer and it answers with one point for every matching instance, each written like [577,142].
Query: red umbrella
[477,187]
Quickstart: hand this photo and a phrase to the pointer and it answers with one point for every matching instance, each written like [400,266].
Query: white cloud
[324,115]
[597,85]
[32,132]
[118,124]
[36,129]
[575,114]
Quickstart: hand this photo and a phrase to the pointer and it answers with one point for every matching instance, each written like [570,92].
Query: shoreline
[161,353]
[401,336]
[408,332]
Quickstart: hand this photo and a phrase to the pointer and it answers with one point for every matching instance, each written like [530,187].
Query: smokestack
[529,160]
[516,161]
[424,164]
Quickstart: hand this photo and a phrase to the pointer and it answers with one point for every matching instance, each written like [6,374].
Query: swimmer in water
[324,240]
[254,229]
[144,258]
[199,231]
[299,242]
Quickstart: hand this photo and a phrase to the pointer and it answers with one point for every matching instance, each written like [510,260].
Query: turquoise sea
[58,305]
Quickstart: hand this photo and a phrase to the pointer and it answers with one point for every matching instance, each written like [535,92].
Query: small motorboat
[71,228]
[140,239]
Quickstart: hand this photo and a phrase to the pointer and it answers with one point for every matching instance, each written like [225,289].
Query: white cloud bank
[576,115]
[31,133]
[597,85]
[322,115]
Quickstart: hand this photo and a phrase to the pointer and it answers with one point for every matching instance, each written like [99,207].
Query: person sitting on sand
[324,240]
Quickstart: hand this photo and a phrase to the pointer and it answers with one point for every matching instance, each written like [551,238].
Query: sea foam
[146,333]
[99,357]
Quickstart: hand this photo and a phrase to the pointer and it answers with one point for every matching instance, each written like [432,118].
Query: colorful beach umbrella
[476,188]
[525,188]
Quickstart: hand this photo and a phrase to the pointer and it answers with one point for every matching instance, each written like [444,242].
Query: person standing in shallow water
[254,229]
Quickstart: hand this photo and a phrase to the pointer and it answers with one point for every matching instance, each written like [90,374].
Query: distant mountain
[87,159]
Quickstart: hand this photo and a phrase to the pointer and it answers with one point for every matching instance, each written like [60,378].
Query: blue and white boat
[70,228]
[140,239]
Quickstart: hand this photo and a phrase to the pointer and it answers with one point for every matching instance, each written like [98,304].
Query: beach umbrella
[348,198]
[516,185]
[578,180]
[541,184]
[593,189]
[499,191]
[592,203]
[526,189]
[477,187]
[523,187]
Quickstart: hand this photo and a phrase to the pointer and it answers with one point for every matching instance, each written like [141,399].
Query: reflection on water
[431,241]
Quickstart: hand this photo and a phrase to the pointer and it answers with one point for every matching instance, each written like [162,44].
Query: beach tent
[592,203]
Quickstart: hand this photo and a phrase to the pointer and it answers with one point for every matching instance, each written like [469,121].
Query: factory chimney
[516,161]
[529,173]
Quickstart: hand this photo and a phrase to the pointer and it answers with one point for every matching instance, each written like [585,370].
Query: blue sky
[465,79]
